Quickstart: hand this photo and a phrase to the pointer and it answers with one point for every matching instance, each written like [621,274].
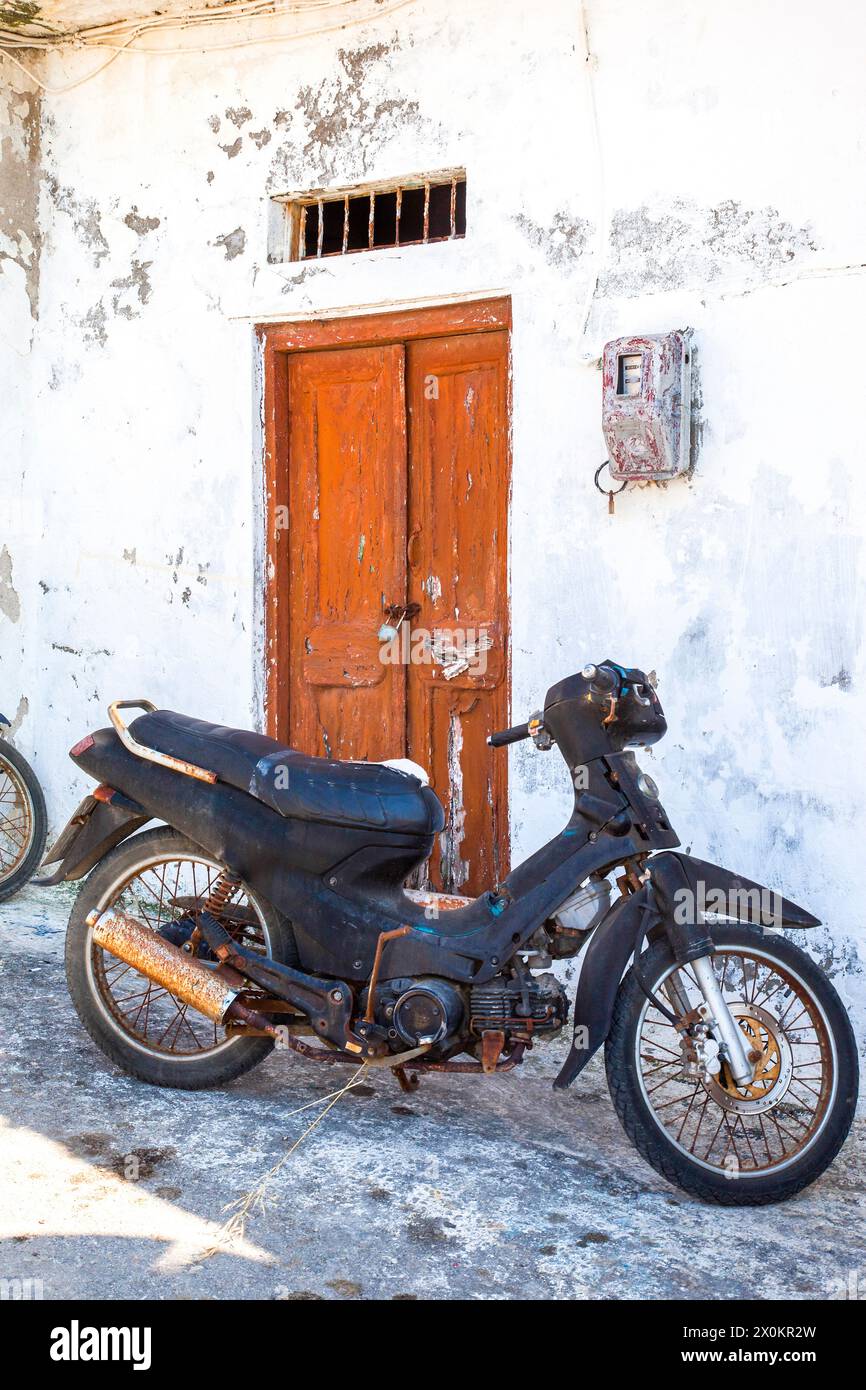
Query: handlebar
[505,736]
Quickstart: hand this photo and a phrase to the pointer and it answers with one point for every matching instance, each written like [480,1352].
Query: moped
[270,906]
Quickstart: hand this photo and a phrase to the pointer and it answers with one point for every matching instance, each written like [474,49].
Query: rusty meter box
[646,405]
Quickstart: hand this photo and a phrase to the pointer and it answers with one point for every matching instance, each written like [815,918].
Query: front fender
[680,890]
[686,889]
[610,948]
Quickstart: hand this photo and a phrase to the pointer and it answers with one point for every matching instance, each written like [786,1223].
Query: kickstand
[408,1083]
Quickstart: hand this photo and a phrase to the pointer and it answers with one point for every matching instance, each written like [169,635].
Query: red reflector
[103,793]
[82,746]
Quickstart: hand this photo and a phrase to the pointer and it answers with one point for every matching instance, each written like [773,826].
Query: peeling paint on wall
[139,224]
[85,215]
[20,149]
[233,243]
[18,719]
[10,604]
[347,110]
[563,241]
[138,281]
[683,244]
[454,869]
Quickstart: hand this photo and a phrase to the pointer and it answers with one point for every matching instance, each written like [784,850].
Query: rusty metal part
[225,885]
[152,755]
[442,902]
[514,1058]
[399,1060]
[611,714]
[631,881]
[233,913]
[492,1044]
[408,1083]
[242,1013]
[377,961]
[211,992]
[765,1054]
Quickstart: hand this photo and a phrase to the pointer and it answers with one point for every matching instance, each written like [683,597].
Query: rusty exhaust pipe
[212,992]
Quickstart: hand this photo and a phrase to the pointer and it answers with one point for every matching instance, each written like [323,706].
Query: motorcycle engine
[447,1017]
[424,1010]
[519,1003]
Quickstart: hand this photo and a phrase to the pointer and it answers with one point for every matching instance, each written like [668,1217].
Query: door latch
[396,615]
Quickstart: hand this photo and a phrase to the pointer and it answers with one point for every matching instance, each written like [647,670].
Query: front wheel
[738,1146]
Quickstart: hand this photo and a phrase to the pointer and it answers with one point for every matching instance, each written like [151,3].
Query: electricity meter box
[646,405]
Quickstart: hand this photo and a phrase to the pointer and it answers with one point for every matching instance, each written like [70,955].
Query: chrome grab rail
[152,755]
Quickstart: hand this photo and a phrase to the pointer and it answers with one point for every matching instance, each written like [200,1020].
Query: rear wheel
[739,1146]
[159,877]
[23,823]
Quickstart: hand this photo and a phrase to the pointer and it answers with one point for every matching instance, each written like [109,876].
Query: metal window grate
[413,212]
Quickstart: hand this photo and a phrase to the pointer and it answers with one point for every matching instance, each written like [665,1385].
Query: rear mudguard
[99,823]
[672,902]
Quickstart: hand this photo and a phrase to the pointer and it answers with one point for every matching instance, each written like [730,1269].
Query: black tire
[191,1071]
[16,771]
[653,1137]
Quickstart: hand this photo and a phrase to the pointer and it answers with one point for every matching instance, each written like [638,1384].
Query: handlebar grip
[505,736]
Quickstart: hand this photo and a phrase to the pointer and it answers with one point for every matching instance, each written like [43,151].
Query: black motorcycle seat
[293,784]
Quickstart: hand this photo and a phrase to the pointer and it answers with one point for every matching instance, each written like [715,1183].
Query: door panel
[457,390]
[389,455]
[347,510]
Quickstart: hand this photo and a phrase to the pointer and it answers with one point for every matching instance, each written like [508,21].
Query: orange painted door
[397,494]
[457,390]
[347,502]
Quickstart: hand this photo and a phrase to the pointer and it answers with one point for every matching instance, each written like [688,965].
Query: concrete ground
[471,1188]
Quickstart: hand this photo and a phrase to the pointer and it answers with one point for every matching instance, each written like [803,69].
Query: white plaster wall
[704,168]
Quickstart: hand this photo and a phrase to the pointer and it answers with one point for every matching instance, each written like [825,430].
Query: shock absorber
[225,886]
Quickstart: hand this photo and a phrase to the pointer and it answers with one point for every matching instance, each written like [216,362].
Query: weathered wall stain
[233,243]
[563,241]
[345,112]
[20,715]
[683,244]
[85,215]
[20,150]
[18,14]
[10,604]
[93,325]
[137,280]
[139,224]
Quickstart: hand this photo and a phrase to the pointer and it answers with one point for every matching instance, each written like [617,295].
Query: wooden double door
[388,485]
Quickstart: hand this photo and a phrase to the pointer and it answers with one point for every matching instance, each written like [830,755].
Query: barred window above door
[409,212]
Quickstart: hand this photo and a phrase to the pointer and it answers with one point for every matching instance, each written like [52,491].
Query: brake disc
[774,1063]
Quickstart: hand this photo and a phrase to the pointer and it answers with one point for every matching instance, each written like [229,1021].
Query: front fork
[728,1032]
